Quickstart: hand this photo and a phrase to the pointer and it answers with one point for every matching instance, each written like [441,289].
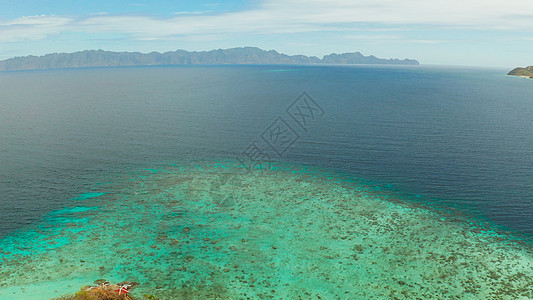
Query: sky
[492,33]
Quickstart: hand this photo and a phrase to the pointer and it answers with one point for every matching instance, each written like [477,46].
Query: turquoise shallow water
[214,229]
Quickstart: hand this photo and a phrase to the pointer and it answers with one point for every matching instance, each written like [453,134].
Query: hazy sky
[449,32]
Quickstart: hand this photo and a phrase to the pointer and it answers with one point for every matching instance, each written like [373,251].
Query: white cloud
[193,12]
[480,13]
[289,16]
[32,28]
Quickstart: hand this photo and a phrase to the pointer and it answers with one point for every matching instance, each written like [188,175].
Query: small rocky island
[523,72]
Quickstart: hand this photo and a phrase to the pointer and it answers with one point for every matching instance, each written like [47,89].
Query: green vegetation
[524,72]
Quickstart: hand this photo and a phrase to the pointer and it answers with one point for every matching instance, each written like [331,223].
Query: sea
[267,181]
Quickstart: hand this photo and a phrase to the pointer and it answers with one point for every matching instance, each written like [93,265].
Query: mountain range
[244,55]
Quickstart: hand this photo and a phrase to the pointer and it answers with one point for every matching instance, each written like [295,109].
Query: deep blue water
[452,137]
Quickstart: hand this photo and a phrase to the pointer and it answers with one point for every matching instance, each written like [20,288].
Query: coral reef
[211,231]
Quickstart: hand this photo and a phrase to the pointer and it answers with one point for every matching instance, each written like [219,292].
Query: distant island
[523,72]
[244,55]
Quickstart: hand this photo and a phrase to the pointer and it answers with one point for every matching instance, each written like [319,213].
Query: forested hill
[524,72]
